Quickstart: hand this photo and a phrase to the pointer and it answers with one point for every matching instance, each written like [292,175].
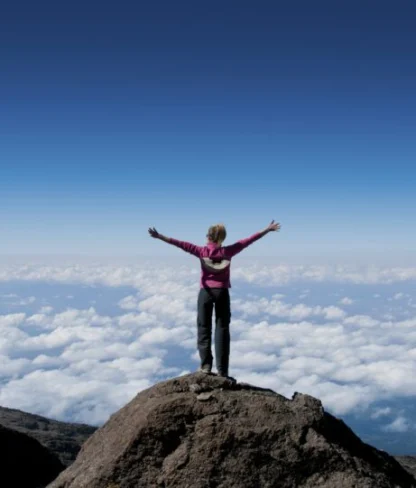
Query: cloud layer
[79,364]
[255,273]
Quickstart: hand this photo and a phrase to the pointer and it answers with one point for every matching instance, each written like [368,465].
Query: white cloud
[13,300]
[333,313]
[346,301]
[280,309]
[381,412]
[343,398]
[361,321]
[12,319]
[400,424]
[57,393]
[283,274]
[27,301]
[45,361]
[252,359]
[161,335]
[46,310]
[129,303]
[179,278]
[141,319]
[39,319]
[85,362]
[11,368]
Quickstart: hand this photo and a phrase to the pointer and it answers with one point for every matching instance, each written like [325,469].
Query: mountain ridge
[64,439]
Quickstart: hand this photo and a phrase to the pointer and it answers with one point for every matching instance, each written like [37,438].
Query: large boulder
[201,431]
[24,462]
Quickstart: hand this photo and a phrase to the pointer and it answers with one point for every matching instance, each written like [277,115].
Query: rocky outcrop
[24,462]
[201,431]
[408,462]
[62,438]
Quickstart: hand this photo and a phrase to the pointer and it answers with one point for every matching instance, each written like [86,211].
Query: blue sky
[182,114]
[179,115]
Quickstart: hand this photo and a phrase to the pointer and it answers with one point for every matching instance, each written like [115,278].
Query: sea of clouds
[78,341]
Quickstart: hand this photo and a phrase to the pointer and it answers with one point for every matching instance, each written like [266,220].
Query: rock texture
[201,431]
[408,462]
[62,438]
[24,462]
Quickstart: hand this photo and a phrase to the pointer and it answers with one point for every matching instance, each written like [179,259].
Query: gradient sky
[119,116]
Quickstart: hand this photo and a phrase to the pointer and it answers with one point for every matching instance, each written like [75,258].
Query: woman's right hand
[153,232]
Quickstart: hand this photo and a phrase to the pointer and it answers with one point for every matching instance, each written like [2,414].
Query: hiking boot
[205,369]
[226,377]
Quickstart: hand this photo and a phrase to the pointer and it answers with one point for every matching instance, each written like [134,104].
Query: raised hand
[273,226]
[154,233]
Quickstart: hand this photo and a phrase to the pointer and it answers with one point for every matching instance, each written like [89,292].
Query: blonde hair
[217,233]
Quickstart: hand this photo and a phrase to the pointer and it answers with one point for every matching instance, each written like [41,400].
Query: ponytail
[217,233]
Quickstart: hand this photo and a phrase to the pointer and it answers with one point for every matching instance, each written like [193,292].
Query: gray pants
[207,298]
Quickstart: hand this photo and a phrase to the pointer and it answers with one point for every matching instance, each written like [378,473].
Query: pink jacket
[215,259]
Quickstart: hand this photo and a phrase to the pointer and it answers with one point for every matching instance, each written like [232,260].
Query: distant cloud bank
[270,275]
[82,364]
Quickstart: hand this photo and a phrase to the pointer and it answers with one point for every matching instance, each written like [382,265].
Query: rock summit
[203,431]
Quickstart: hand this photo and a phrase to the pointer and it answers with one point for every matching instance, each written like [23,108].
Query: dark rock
[24,462]
[239,437]
[62,438]
[408,462]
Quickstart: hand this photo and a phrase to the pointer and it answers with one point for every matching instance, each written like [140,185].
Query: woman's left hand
[273,226]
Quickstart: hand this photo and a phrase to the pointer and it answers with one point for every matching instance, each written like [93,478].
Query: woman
[214,284]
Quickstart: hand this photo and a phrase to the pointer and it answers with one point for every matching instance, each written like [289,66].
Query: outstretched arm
[156,235]
[185,246]
[243,243]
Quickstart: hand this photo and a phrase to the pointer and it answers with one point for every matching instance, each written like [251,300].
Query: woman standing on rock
[215,282]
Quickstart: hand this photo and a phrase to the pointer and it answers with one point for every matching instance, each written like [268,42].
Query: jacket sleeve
[186,246]
[234,249]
